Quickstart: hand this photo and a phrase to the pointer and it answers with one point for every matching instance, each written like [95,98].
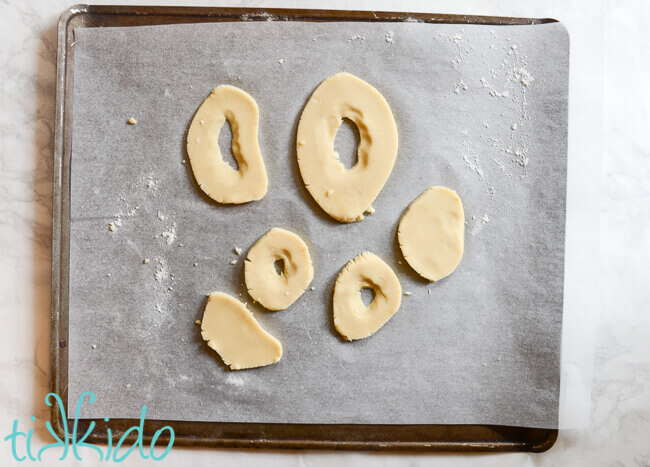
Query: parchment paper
[480,109]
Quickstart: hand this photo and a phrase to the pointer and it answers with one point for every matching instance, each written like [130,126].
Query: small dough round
[345,194]
[431,233]
[354,320]
[233,332]
[215,177]
[272,290]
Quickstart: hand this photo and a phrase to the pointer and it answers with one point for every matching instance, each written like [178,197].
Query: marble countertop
[605,415]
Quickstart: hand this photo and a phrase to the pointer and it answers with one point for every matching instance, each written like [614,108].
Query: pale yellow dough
[233,332]
[272,290]
[346,194]
[215,177]
[431,233]
[352,319]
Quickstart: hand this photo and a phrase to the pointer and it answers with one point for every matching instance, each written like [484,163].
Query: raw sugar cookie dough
[272,289]
[431,233]
[345,194]
[215,176]
[231,330]
[354,320]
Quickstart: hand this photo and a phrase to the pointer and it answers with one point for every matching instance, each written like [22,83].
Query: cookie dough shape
[272,290]
[354,320]
[231,330]
[345,194]
[216,178]
[431,233]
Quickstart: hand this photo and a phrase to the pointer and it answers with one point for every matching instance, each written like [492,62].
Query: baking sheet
[480,109]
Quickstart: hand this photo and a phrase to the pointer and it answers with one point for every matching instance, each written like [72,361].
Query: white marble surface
[609,303]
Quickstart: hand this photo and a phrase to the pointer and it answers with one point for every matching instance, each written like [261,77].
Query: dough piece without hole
[352,319]
[272,290]
[233,332]
[216,178]
[431,233]
[345,194]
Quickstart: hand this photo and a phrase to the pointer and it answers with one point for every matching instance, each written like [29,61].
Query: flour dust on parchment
[117,222]
[505,84]
[388,37]
[142,209]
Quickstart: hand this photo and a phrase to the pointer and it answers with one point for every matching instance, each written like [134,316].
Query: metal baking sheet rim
[238,435]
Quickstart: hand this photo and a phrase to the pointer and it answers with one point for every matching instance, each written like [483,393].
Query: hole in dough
[367,295]
[353,319]
[345,194]
[225,146]
[346,143]
[279,266]
[272,289]
[209,152]
[231,330]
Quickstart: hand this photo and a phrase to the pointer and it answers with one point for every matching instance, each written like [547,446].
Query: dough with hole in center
[354,320]
[272,290]
[215,176]
[233,332]
[431,233]
[345,194]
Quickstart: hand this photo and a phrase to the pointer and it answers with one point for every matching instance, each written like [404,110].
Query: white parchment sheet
[479,109]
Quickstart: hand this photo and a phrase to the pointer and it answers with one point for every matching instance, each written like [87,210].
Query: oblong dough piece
[215,177]
[272,290]
[233,332]
[431,233]
[352,319]
[346,194]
